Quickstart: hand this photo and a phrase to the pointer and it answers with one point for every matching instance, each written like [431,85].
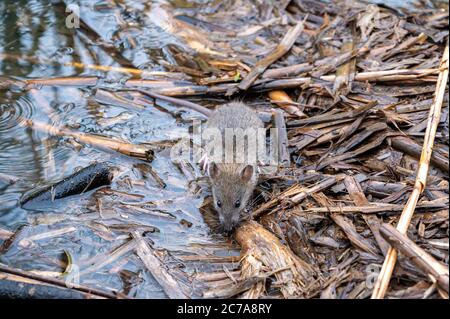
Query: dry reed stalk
[64,81]
[179,102]
[285,45]
[434,116]
[437,271]
[357,195]
[296,194]
[101,142]
[389,75]
[83,66]
[345,72]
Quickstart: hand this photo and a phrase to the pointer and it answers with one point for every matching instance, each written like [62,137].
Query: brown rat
[233,181]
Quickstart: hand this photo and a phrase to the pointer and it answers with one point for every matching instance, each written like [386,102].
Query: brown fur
[233,183]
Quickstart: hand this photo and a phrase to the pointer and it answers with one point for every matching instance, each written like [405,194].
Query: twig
[112,98]
[345,72]
[27,242]
[108,258]
[372,143]
[384,277]
[79,65]
[418,256]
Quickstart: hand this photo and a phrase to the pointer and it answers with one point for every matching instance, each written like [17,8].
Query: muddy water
[94,228]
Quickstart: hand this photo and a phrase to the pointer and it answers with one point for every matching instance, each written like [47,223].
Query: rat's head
[232,186]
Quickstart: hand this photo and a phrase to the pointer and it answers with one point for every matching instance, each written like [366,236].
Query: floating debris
[82,181]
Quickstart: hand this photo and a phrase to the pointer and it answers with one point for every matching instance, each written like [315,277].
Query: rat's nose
[228,225]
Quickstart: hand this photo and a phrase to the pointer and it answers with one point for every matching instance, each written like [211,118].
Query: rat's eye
[237,204]
[219,203]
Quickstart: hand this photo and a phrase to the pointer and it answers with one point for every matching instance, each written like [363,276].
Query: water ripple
[14,114]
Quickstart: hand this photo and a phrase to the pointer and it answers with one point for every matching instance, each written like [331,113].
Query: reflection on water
[35,43]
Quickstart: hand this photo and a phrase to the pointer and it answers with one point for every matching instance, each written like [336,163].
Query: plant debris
[348,84]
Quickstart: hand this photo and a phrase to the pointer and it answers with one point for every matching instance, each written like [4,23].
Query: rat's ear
[247,173]
[213,170]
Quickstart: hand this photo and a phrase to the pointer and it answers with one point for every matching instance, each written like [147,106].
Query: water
[36,43]
[34,31]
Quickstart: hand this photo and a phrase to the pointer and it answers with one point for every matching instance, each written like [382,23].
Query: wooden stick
[372,143]
[28,241]
[109,257]
[328,182]
[113,98]
[185,88]
[330,63]
[403,46]
[418,256]
[168,87]
[216,276]
[434,117]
